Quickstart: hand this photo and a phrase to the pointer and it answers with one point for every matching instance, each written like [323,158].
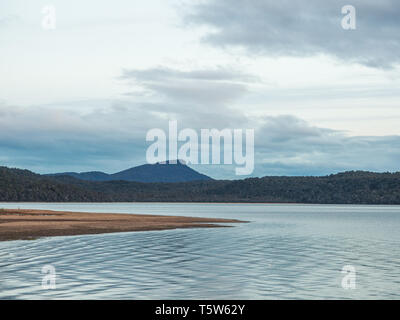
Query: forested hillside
[23,185]
[344,188]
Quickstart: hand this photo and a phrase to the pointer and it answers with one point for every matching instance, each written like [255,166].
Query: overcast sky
[81,97]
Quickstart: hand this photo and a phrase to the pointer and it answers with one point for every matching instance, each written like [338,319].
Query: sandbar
[26,224]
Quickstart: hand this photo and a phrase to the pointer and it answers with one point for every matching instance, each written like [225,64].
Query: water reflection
[285,252]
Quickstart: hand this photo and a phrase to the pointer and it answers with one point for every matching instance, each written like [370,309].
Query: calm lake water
[286,252]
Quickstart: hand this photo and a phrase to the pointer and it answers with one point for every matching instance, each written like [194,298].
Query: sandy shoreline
[18,224]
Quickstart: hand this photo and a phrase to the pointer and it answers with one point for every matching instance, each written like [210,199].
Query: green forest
[355,187]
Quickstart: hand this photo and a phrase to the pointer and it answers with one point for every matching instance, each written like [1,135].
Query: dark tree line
[355,187]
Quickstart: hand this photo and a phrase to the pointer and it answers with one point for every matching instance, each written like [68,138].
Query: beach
[26,224]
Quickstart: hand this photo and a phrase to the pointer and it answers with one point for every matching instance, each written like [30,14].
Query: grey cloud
[286,145]
[164,73]
[111,137]
[204,87]
[88,135]
[286,127]
[199,98]
[304,28]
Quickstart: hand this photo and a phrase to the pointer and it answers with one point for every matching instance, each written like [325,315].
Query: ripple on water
[285,256]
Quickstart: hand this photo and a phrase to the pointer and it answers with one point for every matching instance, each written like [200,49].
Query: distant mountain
[159,172]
